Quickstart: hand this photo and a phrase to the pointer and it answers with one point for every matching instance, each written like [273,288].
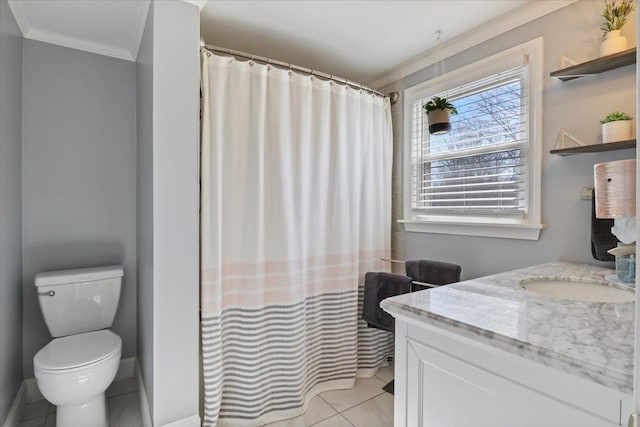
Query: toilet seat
[78,351]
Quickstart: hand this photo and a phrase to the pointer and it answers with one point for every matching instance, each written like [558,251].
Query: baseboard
[129,367]
[192,421]
[142,397]
[125,370]
[32,391]
[15,413]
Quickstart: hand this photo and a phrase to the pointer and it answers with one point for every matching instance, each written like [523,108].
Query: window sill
[520,231]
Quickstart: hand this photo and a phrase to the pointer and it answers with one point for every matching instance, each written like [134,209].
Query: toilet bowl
[73,373]
[76,367]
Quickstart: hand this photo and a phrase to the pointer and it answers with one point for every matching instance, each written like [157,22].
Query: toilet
[76,367]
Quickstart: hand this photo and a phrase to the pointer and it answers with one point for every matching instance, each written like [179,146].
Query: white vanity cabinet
[445,379]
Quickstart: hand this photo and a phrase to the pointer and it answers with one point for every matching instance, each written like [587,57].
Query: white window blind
[480,167]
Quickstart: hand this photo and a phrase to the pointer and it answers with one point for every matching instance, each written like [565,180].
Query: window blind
[481,166]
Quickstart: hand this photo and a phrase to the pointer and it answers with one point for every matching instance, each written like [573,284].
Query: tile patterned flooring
[365,405]
[122,399]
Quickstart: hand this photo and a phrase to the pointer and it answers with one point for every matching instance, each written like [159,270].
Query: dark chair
[378,286]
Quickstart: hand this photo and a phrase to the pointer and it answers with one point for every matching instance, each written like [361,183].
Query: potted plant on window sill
[616,127]
[438,112]
[615,16]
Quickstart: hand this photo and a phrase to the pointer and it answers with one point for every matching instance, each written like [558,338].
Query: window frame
[527,228]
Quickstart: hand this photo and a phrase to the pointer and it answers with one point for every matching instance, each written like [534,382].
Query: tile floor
[122,398]
[365,405]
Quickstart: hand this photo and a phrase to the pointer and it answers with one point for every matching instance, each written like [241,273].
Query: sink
[578,290]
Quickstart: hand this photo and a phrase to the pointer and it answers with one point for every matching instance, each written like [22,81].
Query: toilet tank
[81,300]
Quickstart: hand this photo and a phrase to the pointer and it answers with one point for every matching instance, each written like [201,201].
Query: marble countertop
[591,340]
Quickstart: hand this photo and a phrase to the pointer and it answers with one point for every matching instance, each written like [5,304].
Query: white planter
[439,122]
[613,43]
[616,131]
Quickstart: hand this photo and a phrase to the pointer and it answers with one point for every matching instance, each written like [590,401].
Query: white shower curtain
[296,207]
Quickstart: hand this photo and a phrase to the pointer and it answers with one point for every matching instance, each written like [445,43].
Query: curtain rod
[309,71]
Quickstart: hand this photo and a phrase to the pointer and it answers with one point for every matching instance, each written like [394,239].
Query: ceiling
[107,27]
[358,40]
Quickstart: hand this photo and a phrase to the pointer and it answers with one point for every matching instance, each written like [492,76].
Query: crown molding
[141,21]
[527,13]
[80,44]
[20,17]
[128,54]
[199,3]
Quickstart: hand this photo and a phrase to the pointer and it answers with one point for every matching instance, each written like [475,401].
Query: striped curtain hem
[277,358]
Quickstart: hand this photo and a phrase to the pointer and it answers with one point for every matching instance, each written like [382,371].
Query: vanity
[488,352]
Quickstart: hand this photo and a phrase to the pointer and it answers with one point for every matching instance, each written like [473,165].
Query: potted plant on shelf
[438,112]
[615,16]
[616,127]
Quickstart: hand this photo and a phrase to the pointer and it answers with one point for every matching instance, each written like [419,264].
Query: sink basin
[583,290]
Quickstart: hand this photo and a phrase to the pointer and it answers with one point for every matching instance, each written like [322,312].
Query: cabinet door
[443,390]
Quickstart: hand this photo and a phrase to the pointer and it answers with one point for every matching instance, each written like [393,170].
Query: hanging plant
[438,112]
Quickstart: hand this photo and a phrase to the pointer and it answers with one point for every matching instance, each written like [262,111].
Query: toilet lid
[78,350]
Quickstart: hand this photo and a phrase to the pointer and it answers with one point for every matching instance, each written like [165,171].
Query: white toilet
[76,367]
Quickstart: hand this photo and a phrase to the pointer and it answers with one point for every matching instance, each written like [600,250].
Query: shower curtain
[295,208]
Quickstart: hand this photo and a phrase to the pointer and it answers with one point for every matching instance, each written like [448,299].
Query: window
[483,177]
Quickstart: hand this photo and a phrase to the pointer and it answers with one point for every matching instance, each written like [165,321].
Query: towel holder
[392,260]
[428,285]
[415,282]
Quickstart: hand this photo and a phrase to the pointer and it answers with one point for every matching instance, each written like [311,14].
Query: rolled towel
[433,272]
[379,286]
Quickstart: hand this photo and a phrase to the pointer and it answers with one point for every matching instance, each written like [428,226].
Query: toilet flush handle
[47,294]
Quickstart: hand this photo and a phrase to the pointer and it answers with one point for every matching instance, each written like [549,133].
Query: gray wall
[168,73]
[78,176]
[575,106]
[144,227]
[10,209]
[176,89]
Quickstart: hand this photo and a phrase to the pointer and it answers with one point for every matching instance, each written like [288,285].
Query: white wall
[144,209]
[78,177]
[168,165]
[10,209]
[576,106]
[176,101]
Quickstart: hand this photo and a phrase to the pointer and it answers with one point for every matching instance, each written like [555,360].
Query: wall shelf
[595,148]
[596,66]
